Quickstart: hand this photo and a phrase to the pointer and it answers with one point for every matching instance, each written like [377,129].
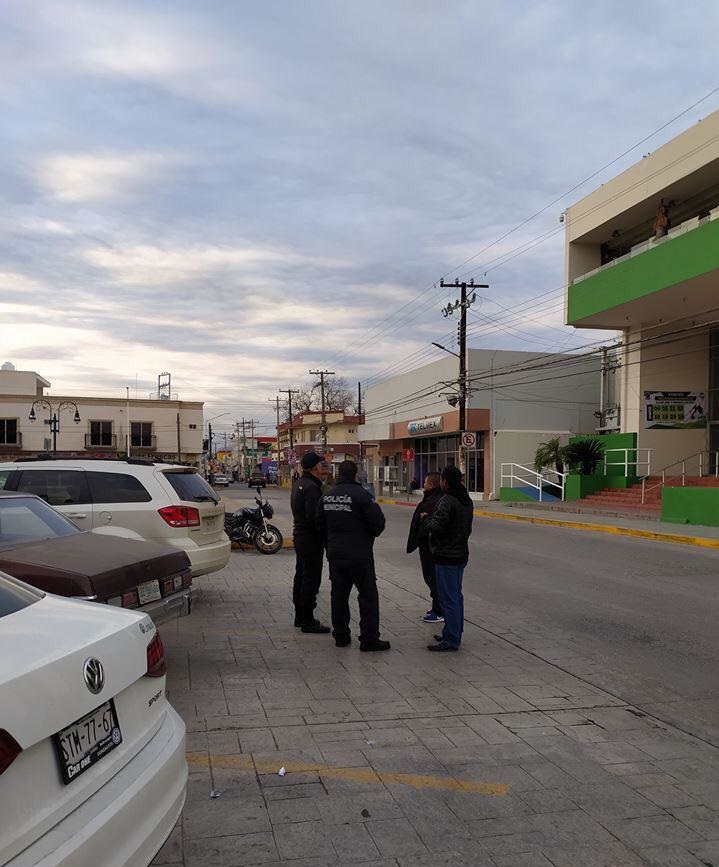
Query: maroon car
[45,549]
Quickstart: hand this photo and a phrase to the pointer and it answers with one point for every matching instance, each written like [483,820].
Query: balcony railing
[143,444]
[14,446]
[652,242]
[104,441]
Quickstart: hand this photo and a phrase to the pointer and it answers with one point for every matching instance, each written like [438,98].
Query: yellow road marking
[246,762]
[651,535]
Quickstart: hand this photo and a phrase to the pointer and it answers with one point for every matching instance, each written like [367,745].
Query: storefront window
[432,454]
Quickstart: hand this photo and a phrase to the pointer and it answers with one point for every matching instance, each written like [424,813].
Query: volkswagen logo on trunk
[94,675]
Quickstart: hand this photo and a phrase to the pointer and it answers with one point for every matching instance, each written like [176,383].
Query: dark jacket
[418,532]
[350,520]
[305,496]
[450,527]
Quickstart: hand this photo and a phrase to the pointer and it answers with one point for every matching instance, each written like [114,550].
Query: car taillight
[129,599]
[187,579]
[180,516]
[10,749]
[156,657]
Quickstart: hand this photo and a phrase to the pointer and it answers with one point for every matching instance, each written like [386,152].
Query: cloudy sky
[238,191]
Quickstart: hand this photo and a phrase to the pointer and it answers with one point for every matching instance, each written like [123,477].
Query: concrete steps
[630,499]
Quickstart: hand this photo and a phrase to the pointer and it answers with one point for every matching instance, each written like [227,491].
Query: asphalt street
[634,617]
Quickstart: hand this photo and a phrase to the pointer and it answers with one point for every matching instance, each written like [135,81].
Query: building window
[8,431]
[314,436]
[141,434]
[100,433]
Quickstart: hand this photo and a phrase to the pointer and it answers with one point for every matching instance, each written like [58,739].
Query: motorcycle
[249,526]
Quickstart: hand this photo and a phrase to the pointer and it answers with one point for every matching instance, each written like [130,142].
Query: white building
[93,426]
[411,428]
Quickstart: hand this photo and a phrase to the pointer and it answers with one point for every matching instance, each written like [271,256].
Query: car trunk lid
[102,565]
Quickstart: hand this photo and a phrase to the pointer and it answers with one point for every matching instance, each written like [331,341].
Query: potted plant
[551,452]
[585,455]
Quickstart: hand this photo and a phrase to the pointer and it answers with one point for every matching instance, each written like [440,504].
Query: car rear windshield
[15,596]
[25,519]
[191,486]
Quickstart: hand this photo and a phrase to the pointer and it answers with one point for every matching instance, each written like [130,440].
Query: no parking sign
[469,440]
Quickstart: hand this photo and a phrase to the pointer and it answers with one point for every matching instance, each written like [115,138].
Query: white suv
[135,499]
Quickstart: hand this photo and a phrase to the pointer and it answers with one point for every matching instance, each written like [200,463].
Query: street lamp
[42,403]
[451,352]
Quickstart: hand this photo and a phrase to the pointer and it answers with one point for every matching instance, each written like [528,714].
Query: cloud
[86,177]
[239,192]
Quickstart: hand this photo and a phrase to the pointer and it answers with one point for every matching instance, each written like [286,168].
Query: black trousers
[344,574]
[430,578]
[307,580]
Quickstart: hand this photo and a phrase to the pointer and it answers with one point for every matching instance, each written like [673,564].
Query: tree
[339,397]
[585,454]
[551,452]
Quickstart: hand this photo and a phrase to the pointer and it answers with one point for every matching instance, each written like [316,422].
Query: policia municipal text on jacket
[351,520]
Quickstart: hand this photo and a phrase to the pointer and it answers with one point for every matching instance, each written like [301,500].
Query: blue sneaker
[431,617]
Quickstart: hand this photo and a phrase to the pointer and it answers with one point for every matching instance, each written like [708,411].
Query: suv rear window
[57,487]
[116,488]
[191,486]
[15,596]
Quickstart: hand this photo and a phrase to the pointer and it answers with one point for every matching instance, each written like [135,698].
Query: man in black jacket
[309,546]
[351,521]
[419,538]
[449,530]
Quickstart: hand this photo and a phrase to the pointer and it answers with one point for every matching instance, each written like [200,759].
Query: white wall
[682,365]
[544,399]
[519,447]
[162,414]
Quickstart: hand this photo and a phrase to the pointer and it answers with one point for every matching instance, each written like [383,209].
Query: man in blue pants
[449,530]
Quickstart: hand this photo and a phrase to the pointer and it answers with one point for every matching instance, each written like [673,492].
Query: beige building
[342,441]
[34,423]
[642,257]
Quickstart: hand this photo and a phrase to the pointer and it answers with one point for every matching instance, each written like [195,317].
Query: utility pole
[179,452]
[277,408]
[289,392]
[323,428]
[359,398]
[209,441]
[462,304]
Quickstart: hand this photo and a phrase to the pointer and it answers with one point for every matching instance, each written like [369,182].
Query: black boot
[314,627]
[375,645]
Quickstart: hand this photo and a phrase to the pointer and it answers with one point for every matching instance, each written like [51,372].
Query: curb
[650,535]
[286,543]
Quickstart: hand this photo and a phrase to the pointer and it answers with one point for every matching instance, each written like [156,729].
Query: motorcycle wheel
[269,541]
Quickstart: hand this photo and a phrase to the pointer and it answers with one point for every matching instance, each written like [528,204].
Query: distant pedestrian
[419,539]
[414,485]
[309,545]
[449,530]
[351,521]
[661,224]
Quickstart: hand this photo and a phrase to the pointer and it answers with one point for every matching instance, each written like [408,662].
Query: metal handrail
[539,477]
[636,461]
[682,462]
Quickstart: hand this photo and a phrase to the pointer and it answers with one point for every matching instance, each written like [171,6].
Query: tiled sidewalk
[490,756]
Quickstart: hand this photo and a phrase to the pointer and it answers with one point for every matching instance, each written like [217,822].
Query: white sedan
[92,755]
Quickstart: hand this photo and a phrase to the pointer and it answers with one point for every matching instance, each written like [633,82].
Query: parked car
[257,479]
[135,499]
[92,755]
[221,480]
[44,548]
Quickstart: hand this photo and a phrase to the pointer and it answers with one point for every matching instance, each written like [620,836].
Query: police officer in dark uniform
[351,521]
[309,543]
